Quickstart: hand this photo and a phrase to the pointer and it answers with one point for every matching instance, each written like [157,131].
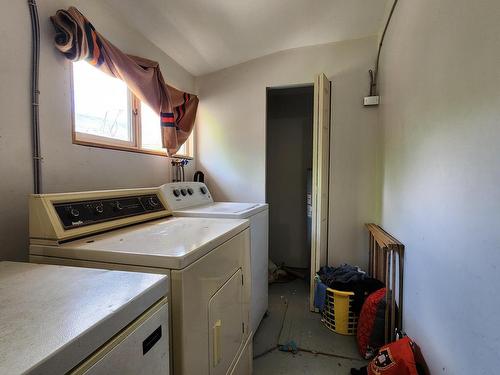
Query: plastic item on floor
[337,312]
[371,324]
[290,346]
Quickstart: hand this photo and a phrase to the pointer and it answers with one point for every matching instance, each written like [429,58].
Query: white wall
[232,123]
[441,115]
[65,166]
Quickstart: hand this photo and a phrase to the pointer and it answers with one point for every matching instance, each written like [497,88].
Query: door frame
[320,179]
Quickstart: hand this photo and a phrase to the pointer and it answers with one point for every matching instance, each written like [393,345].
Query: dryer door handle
[217,342]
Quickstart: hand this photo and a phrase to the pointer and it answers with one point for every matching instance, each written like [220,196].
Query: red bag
[395,358]
[370,332]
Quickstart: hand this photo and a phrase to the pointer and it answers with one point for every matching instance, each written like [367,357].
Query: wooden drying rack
[385,251]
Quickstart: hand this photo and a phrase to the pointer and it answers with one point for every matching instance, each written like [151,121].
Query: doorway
[297,176]
[289,162]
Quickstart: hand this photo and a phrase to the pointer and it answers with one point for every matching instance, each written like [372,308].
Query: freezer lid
[168,243]
[223,210]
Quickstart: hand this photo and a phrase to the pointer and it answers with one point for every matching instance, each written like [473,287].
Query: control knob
[203,190]
[183,192]
[190,191]
[176,192]
[99,208]
[74,212]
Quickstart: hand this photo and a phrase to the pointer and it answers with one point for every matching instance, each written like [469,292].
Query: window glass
[105,114]
[151,130]
[101,103]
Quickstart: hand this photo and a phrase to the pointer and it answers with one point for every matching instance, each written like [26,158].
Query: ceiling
[208,35]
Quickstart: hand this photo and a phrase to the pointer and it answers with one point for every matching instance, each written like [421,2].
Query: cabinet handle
[151,340]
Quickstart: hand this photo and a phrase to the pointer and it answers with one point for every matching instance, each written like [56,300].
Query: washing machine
[207,261]
[193,199]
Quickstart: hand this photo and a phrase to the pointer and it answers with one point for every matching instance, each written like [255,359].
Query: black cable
[35,93]
[374,75]
[270,350]
[299,349]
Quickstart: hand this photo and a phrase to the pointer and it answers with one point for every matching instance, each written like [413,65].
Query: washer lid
[223,210]
[172,243]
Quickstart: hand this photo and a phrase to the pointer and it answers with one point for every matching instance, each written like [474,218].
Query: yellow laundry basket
[337,312]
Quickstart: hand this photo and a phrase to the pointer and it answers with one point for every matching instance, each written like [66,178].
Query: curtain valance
[78,40]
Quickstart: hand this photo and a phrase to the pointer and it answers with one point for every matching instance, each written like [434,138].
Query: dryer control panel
[62,216]
[179,195]
[81,213]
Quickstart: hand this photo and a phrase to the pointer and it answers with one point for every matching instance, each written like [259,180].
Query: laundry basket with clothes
[339,295]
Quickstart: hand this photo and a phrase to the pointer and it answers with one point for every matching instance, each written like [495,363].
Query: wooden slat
[393,294]
[401,278]
[387,299]
[383,250]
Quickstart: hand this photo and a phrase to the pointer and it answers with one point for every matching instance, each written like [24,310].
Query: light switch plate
[371,100]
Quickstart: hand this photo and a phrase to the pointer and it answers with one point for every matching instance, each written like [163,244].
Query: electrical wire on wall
[374,74]
[35,93]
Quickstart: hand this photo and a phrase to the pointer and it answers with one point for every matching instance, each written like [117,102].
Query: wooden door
[320,174]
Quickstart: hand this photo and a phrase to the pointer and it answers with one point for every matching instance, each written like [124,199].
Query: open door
[320,172]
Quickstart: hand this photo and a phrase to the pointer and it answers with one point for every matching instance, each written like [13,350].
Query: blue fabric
[320,295]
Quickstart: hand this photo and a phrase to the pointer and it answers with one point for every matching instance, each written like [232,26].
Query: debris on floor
[276,274]
[290,346]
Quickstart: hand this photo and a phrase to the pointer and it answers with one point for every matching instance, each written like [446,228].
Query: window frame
[135,145]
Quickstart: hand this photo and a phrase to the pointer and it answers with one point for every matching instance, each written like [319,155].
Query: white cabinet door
[226,324]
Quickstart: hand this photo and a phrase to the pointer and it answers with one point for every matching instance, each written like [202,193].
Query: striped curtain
[78,40]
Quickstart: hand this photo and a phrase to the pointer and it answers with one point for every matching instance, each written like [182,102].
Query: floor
[320,351]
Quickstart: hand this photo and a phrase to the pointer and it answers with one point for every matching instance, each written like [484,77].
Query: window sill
[129,149]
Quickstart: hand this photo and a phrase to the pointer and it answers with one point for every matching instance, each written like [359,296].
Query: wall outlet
[371,100]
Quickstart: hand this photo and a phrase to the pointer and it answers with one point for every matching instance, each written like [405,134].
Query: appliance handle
[217,343]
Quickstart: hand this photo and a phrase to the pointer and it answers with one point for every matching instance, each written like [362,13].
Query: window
[107,114]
